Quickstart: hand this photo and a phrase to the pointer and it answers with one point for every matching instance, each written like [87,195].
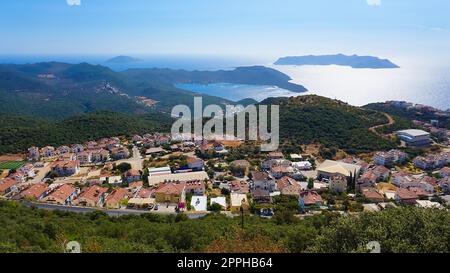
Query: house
[112,180]
[405,196]
[194,163]
[302,165]
[288,186]
[137,138]
[444,184]
[240,166]
[64,150]
[77,148]
[7,185]
[280,171]
[239,186]
[444,172]
[34,154]
[331,168]
[132,176]
[120,153]
[62,195]
[84,157]
[35,192]
[390,158]
[66,168]
[170,193]
[93,196]
[338,183]
[222,201]
[415,138]
[264,181]
[430,162]
[276,155]
[114,199]
[48,151]
[372,195]
[99,155]
[199,203]
[261,196]
[381,172]
[310,198]
[195,187]
[238,200]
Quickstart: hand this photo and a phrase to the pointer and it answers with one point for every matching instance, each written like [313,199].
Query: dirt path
[391,122]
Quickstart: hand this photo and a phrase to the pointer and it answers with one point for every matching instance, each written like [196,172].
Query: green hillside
[17,133]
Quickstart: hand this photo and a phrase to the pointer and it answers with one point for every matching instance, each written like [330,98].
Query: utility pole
[242,217]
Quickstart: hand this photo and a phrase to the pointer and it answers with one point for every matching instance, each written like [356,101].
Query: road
[135,161]
[110,212]
[391,121]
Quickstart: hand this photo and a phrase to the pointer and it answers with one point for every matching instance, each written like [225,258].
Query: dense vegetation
[18,133]
[314,119]
[410,114]
[398,230]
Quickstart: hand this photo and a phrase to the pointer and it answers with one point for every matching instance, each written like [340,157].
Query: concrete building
[415,138]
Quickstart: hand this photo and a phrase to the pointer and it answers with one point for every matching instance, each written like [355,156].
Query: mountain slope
[315,119]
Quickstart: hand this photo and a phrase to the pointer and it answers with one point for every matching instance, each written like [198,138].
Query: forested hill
[315,119]
[61,90]
[18,133]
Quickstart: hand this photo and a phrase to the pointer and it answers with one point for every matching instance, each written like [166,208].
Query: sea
[417,82]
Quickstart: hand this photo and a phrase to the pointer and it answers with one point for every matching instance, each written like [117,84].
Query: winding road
[391,121]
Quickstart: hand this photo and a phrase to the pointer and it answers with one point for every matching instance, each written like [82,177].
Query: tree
[215,207]
[123,167]
[310,183]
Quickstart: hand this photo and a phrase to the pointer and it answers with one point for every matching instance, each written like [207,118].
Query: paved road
[110,212]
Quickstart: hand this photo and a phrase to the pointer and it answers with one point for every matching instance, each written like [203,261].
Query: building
[338,183]
[261,196]
[239,186]
[35,192]
[120,153]
[415,137]
[62,195]
[84,157]
[444,172]
[170,193]
[64,150]
[406,196]
[372,195]
[288,186]
[263,181]
[430,162]
[331,168]
[159,171]
[7,185]
[280,171]
[94,196]
[66,168]
[238,200]
[48,151]
[177,177]
[115,198]
[99,155]
[132,176]
[34,154]
[390,158]
[194,163]
[310,198]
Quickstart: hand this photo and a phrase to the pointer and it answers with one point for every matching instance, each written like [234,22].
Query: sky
[253,28]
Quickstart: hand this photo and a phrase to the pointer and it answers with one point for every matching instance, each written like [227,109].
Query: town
[160,173]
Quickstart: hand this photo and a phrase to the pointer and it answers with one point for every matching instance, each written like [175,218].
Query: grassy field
[11,165]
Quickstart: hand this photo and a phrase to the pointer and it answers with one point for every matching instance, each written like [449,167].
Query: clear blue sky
[225,27]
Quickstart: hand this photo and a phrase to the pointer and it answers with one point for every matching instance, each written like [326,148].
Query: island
[353,61]
[122,60]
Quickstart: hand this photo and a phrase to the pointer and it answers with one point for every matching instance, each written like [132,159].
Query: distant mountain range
[122,60]
[353,61]
[61,90]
